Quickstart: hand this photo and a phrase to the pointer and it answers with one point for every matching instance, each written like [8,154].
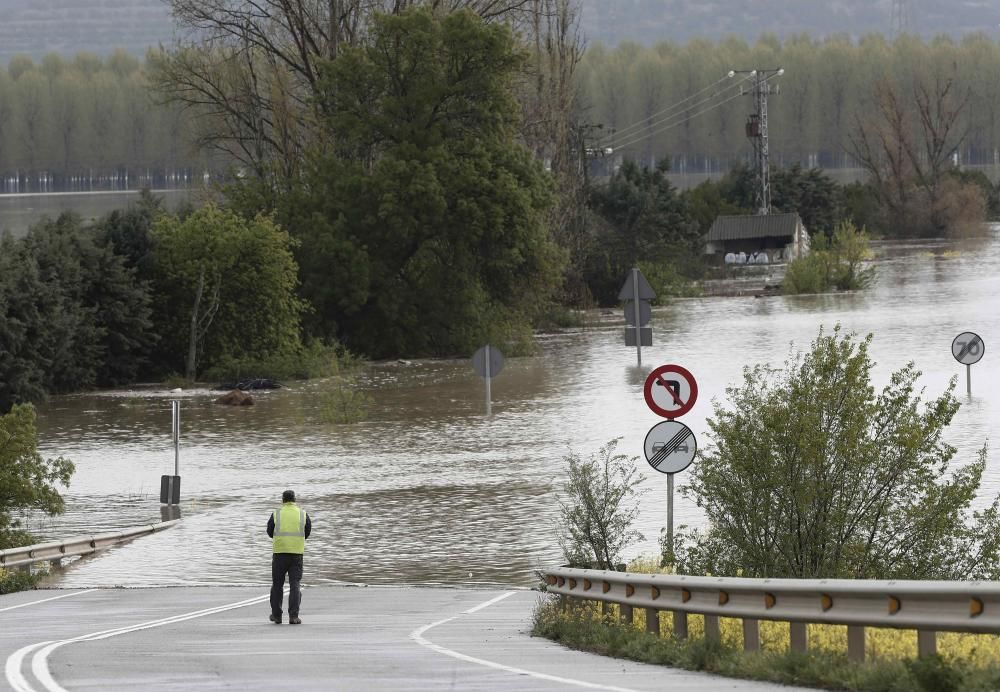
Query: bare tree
[908,149]
[250,69]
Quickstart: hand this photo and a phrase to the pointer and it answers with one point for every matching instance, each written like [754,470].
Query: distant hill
[36,27]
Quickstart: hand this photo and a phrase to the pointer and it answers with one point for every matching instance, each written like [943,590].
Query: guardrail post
[653,621]
[751,634]
[625,614]
[680,624]
[712,632]
[798,635]
[605,608]
[926,643]
[856,643]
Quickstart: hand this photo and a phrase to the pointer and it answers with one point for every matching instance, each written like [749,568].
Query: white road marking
[417,636]
[45,600]
[13,668]
[39,661]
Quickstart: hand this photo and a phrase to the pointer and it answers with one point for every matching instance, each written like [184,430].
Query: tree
[812,474]
[908,150]
[253,69]
[98,327]
[811,193]
[644,220]
[422,231]
[27,481]
[225,289]
[599,504]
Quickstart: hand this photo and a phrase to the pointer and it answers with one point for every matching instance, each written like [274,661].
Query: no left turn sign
[670,391]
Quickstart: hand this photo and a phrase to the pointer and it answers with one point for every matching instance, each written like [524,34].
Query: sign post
[488,362]
[670,447]
[968,348]
[635,292]
[170,486]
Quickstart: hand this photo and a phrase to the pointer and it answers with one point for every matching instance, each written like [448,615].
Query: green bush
[12,581]
[313,360]
[600,502]
[835,263]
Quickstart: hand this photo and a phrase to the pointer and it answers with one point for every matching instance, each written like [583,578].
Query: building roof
[758,226]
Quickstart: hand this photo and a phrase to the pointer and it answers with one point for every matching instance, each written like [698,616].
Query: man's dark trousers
[281,564]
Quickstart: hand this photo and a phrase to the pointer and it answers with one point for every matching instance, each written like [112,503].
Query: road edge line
[417,636]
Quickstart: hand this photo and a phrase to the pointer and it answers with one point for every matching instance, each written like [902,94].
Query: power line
[685,116]
[644,121]
[681,121]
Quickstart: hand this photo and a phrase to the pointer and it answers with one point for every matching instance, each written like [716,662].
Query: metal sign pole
[670,517]
[489,376]
[968,379]
[638,321]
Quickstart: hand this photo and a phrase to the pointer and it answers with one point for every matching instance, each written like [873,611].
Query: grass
[960,666]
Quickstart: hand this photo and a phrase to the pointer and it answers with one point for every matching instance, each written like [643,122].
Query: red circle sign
[670,391]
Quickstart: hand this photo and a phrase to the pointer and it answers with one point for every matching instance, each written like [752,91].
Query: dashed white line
[417,636]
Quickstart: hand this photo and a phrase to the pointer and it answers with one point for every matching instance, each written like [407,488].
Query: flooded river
[428,489]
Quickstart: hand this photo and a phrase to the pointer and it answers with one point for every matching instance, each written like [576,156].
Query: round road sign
[670,391]
[968,348]
[487,355]
[670,446]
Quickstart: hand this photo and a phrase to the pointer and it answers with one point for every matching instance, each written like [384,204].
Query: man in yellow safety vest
[289,526]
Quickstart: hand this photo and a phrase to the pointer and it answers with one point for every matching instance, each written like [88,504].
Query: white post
[176,410]
[968,379]
[489,376]
[635,306]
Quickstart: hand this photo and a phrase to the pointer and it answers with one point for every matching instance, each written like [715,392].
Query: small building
[776,237]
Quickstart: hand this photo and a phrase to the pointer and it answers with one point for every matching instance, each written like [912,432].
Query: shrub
[599,506]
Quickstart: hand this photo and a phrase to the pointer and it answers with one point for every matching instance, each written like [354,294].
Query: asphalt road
[352,638]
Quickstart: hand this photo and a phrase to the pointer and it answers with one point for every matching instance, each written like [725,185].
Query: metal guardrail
[926,606]
[84,545]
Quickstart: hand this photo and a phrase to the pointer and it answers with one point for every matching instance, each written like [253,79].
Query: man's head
[288,496]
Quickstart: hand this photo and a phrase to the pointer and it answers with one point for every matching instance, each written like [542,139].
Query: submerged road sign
[670,391]
[487,361]
[670,446]
[968,348]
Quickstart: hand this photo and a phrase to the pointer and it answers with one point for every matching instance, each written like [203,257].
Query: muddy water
[428,490]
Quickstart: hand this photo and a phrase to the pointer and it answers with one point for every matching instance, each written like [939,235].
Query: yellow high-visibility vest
[290,529]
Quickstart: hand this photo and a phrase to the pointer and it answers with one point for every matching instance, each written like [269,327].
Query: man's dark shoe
[276,619]
[294,621]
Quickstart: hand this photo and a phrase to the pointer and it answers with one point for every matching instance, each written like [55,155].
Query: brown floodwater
[428,489]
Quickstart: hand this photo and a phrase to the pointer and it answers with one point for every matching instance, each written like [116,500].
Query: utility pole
[901,18]
[756,129]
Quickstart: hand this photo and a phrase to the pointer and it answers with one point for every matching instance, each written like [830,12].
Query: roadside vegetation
[965,662]
[811,473]
[28,483]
